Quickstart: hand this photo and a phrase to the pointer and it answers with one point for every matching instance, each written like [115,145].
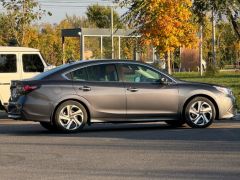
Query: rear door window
[95,73]
[102,73]
[32,63]
[8,63]
[80,75]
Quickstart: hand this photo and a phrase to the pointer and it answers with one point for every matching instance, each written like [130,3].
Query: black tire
[72,121]
[48,126]
[177,123]
[200,112]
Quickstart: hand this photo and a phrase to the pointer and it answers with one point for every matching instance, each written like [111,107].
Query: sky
[59,8]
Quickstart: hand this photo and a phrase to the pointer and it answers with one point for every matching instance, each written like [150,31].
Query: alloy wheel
[71,117]
[200,113]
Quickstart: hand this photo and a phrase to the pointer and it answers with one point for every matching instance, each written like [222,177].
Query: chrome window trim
[117,62]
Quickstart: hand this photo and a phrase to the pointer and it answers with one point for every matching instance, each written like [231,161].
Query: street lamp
[112,37]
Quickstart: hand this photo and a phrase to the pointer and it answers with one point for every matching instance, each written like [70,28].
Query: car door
[99,85]
[32,65]
[148,98]
[9,70]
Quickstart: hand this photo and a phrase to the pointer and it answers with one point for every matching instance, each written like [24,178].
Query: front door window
[139,74]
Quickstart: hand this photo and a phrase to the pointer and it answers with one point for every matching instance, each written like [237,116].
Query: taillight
[29,88]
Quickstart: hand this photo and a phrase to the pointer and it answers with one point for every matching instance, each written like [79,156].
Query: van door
[9,70]
[32,64]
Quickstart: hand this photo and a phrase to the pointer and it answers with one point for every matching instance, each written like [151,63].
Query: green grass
[228,79]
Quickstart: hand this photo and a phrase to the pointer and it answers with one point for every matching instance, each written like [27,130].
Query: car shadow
[136,131]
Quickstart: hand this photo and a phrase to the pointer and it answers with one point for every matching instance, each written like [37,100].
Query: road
[126,151]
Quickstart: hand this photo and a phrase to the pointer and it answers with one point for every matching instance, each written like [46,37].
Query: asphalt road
[127,151]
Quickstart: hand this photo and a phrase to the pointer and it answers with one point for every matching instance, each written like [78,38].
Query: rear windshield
[49,72]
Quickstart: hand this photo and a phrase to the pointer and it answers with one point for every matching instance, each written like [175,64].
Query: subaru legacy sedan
[75,94]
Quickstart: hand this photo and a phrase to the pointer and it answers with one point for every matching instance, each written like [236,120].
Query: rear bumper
[15,111]
[21,111]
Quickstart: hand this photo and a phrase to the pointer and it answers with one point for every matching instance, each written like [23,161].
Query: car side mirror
[164,81]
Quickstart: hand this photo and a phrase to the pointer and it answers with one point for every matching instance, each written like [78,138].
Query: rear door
[32,64]
[148,98]
[100,86]
[9,70]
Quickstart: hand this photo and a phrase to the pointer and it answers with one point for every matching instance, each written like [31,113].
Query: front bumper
[227,107]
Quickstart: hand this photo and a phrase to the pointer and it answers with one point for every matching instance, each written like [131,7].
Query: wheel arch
[73,99]
[201,95]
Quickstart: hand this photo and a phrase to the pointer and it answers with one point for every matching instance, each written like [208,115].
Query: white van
[18,63]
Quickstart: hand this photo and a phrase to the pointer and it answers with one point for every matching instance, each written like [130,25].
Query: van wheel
[70,116]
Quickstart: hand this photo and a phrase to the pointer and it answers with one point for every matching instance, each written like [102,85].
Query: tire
[178,123]
[70,116]
[48,126]
[200,112]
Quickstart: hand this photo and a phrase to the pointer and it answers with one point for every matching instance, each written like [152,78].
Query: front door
[100,86]
[148,98]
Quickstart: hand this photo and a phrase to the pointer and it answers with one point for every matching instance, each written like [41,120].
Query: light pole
[112,26]
[213,38]
[201,50]
[112,38]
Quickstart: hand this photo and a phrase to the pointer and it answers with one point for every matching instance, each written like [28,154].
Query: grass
[228,79]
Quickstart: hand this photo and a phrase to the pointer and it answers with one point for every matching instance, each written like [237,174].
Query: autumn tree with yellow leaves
[165,24]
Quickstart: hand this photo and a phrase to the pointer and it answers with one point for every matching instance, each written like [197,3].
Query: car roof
[76,64]
[17,49]
[105,61]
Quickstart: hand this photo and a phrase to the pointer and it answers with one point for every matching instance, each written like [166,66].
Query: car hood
[198,83]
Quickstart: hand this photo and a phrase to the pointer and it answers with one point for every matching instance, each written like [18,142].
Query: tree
[223,8]
[101,16]
[166,24]
[6,34]
[24,12]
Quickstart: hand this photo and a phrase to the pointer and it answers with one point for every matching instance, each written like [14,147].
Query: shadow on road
[138,131]
[147,131]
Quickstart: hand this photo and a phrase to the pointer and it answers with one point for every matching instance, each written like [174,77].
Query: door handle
[85,88]
[132,89]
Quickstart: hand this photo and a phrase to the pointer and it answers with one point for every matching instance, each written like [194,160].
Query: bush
[211,70]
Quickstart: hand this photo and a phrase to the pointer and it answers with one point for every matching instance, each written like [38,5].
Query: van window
[32,63]
[8,63]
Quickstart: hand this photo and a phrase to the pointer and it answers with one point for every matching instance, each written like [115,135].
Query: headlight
[224,90]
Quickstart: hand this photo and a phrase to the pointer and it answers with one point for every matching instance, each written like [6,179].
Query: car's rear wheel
[177,123]
[70,116]
[48,126]
[200,112]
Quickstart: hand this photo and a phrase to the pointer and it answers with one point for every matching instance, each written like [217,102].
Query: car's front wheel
[70,116]
[200,112]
